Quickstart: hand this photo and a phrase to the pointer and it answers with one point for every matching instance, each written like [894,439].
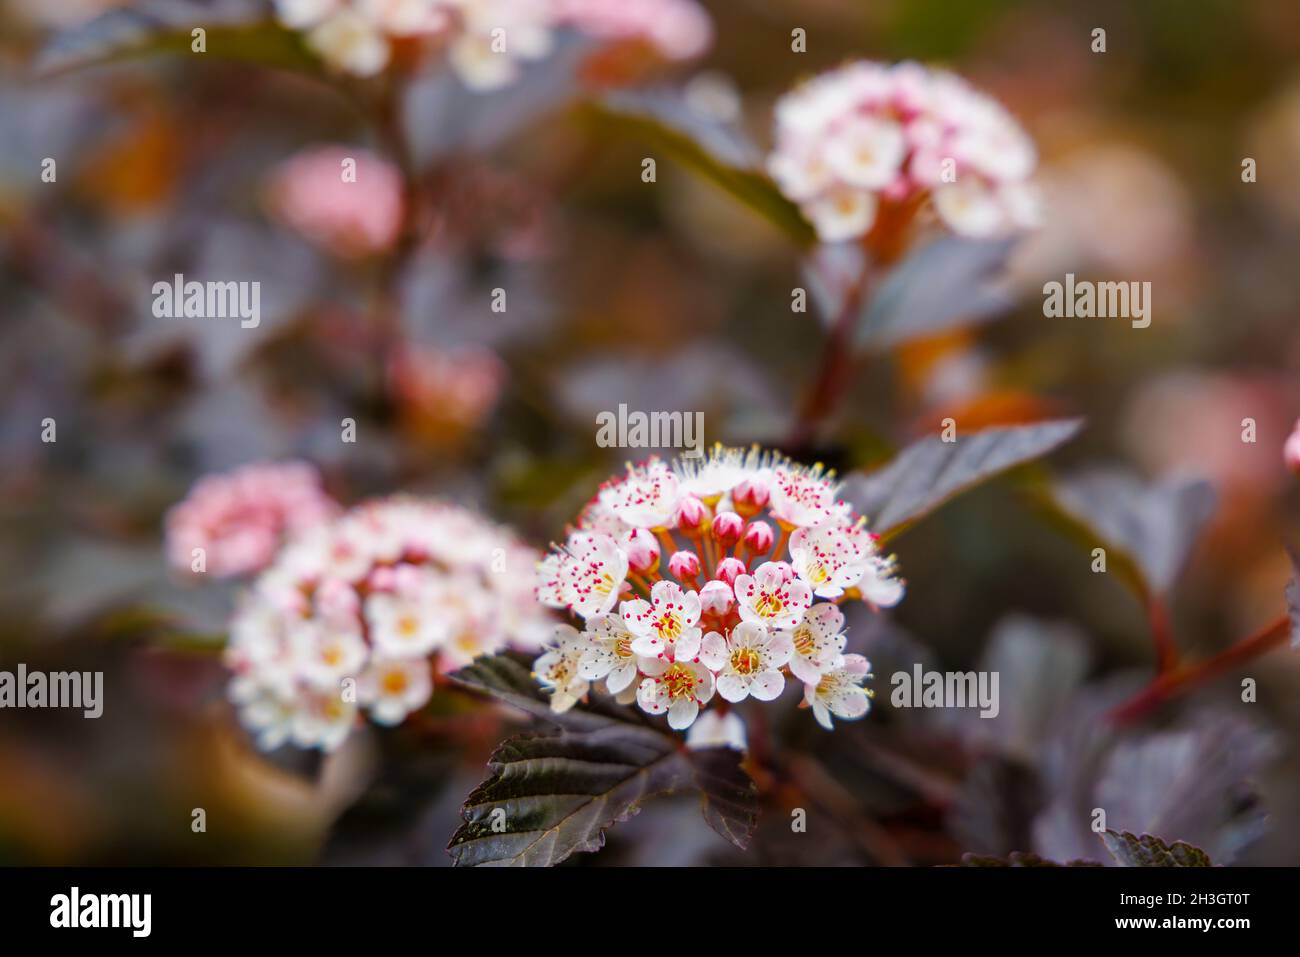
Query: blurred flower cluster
[345,199]
[486,40]
[233,524]
[354,610]
[866,134]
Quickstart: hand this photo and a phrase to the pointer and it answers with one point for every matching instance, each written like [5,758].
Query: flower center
[745,661]
[830,682]
[559,673]
[407,626]
[679,681]
[669,626]
[769,604]
[803,640]
[395,682]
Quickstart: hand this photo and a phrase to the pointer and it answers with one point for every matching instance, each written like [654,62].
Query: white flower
[867,152]
[350,42]
[325,654]
[816,642]
[879,585]
[391,688]
[970,207]
[559,669]
[713,730]
[769,598]
[268,715]
[841,213]
[610,655]
[647,497]
[801,174]
[322,719]
[406,625]
[839,691]
[830,558]
[748,661]
[680,690]
[803,496]
[587,577]
[666,625]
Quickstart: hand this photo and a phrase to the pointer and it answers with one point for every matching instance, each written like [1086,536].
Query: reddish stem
[1162,635]
[883,246]
[832,374]
[1184,678]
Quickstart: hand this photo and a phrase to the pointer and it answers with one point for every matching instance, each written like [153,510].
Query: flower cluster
[355,613]
[233,523]
[867,133]
[351,217]
[485,40]
[714,575]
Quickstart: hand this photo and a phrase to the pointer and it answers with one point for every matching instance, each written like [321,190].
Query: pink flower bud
[729,568]
[1291,450]
[750,496]
[716,598]
[727,528]
[642,550]
[684,565]
[691,514]
[759,538]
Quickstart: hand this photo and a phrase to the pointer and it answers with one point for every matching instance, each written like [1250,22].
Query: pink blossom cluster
[486,40]
[870,133]
[716,575]
[233,523]
[354,615]
[678,29]
[343,198]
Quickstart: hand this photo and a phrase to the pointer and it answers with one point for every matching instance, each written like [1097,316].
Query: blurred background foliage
[674,296]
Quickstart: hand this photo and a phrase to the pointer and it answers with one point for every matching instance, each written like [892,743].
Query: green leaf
[946,284]
[928,473]
[1148,530]
[1150,851]
[554,793]
[722,154]
[1018,859]
[235,29]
